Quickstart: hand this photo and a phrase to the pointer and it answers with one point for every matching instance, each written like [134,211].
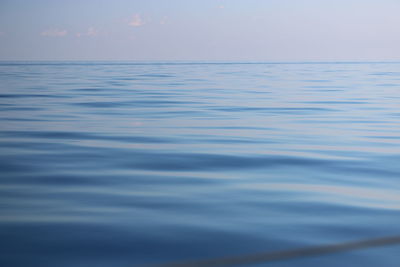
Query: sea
[119,164]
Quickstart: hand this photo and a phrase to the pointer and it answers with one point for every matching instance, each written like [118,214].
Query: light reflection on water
[119,164]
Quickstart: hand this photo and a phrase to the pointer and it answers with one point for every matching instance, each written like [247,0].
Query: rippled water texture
[123,164]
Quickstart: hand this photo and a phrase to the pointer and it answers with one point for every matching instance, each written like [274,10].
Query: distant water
[110,164]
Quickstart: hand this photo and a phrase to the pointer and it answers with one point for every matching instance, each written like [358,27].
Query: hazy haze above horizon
[254,30]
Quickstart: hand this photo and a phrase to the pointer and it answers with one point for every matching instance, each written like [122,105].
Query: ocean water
[134,163]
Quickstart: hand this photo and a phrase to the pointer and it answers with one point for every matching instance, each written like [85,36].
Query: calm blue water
[121,164]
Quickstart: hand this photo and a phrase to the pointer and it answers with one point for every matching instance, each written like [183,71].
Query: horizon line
[195,61]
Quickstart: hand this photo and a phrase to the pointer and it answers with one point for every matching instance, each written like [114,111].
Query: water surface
[123,164]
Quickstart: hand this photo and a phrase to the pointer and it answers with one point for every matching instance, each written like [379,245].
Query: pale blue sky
[254,30]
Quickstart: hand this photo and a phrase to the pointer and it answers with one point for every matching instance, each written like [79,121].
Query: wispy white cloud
[163,20]
[136,21]
[91,32]
[54,33]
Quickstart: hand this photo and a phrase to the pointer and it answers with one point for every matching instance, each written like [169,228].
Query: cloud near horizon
[136,21]
[54,33]
[91,32]
[164,20]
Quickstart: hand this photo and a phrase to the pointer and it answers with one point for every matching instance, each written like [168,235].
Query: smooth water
[107,164]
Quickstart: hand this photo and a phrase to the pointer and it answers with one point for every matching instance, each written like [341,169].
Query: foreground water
[121,164]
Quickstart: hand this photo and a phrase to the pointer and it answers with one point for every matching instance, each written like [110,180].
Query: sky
[206,30]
